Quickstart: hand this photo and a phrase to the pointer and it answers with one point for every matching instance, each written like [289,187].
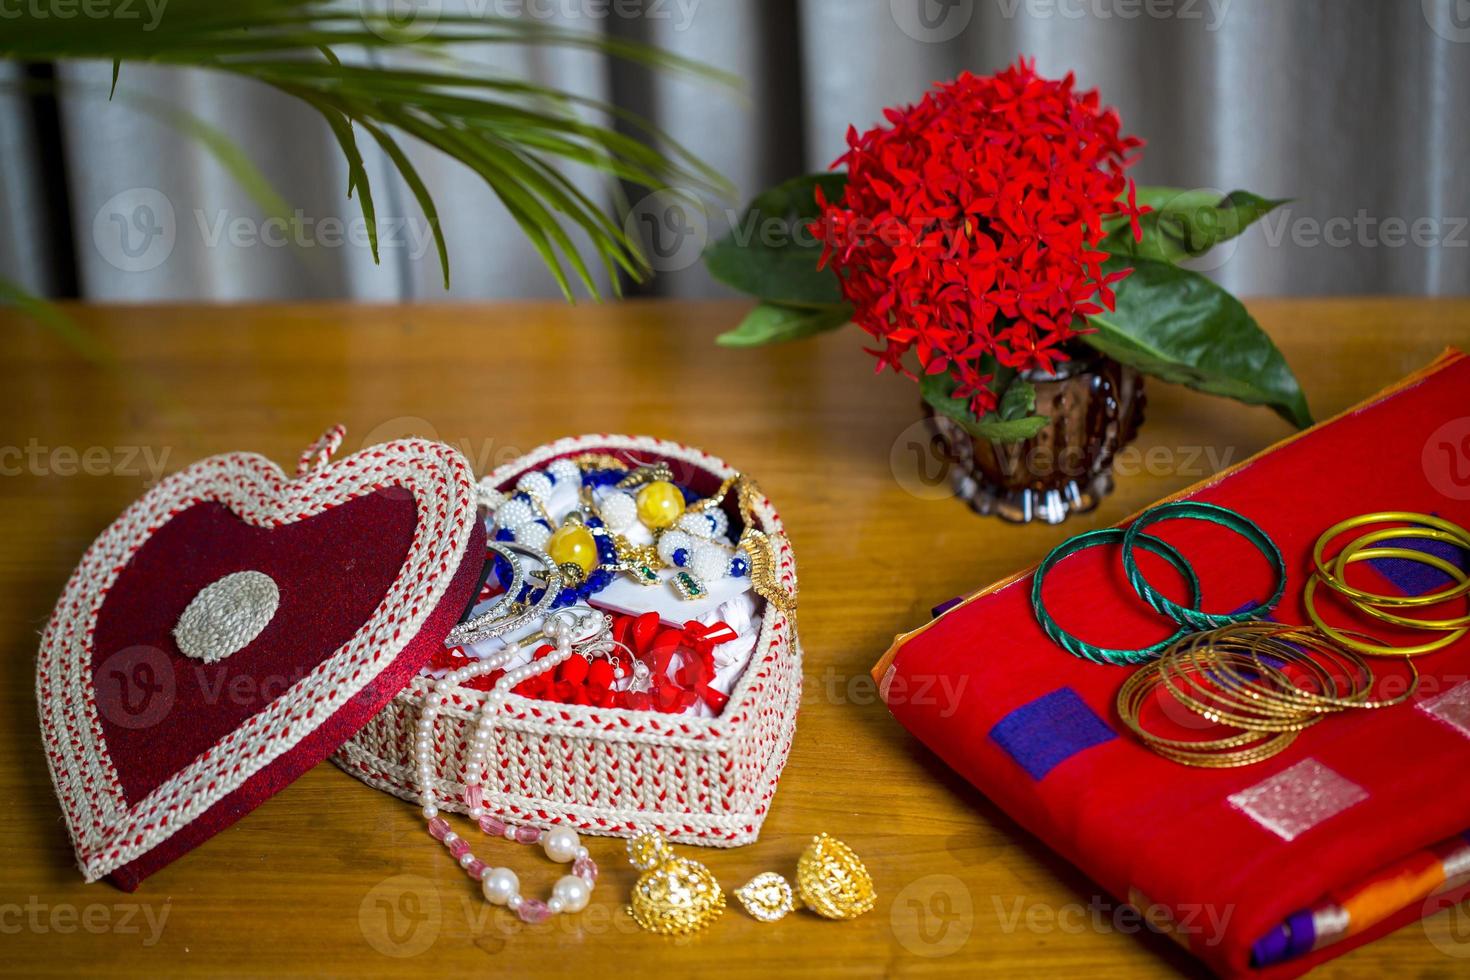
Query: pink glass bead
[527,835]
[493,826]
[438,828]
[459,848]
[474,795]
[475,868]
[585,868]
[533,911]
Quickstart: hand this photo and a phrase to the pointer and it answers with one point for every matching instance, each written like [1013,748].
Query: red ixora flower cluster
[969,224]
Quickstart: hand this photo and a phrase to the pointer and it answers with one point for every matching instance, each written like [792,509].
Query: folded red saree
[1356,828]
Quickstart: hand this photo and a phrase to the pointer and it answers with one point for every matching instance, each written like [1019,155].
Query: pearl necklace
[572,892]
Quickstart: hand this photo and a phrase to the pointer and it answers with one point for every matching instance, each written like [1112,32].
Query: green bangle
[1223,516]
[1088,651]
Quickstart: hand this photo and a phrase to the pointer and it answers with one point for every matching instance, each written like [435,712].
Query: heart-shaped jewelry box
[236,626]
[616,771]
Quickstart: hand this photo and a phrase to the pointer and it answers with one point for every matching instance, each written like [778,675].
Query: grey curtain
[1355,109]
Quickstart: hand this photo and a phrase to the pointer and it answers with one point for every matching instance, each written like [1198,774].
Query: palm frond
[516,136]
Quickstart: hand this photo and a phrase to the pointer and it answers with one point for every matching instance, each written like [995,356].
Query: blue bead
[594,522]
[739,567]
[681,556]
[505,534]
[521,495]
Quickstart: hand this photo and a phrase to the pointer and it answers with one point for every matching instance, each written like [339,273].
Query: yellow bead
[660,504]
[572,544]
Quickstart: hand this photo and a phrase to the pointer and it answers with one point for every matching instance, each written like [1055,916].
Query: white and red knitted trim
[612,770]
[108,833]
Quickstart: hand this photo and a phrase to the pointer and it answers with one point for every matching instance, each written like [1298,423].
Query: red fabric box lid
[1037,731]
[234,626]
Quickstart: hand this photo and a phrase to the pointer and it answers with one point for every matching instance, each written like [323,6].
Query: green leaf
[1177,325]
[797,197]
[770,254]
[771,323]
[938,391]
[1185,223]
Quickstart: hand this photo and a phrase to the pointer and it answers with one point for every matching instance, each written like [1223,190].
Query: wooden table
[330,877]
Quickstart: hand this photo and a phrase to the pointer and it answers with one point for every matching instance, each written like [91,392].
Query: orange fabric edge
[1448,356]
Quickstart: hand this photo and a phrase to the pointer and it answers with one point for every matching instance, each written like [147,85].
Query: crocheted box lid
[234,626]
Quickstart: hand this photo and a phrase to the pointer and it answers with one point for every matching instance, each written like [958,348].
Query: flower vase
[1095,406]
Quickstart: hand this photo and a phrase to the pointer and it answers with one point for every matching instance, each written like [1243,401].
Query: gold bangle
[1461,536]
[1357,551]
[1309,601]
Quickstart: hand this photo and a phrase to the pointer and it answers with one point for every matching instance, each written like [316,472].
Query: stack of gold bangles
[1240,676]
[1332,573]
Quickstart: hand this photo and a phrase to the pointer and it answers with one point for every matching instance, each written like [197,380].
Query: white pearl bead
[533,536]
[466,859]
[500,885]
[430,812]
[553,905]
[536,484]
[619,511]
[514,513]
[694,523]
[572,892]
[709,563]
[565,471]
[670,542]
[476,812]
[560,844]
[581,852]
